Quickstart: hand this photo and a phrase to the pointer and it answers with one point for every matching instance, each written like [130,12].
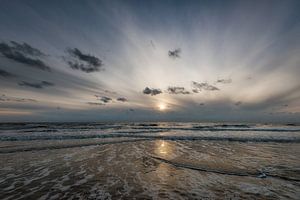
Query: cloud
[105,99]
[197,87]
[6,74]
[152,44]
[95,104]
[122,99]
[177,90]
[109,92]
[15,99]
[224,81]
[39,85]
[84,62]
[79,66]
[175,53]
[23,53]
[238,103]
[152,91]
[27,49]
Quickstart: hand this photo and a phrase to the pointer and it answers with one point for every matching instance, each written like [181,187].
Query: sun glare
[161,107]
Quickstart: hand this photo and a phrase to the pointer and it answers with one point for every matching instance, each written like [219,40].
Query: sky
[150,60]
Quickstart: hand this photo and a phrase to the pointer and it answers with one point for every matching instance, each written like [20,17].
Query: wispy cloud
[15,99]
[109,92]
[23,53]
[37,85]
[95,104]
[84,62]
[224,81]
[151,91]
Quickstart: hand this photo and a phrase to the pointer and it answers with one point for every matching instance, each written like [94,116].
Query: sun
[161,107]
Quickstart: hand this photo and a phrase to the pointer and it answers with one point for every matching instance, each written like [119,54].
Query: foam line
[154,137]
[229,173]
[4,151]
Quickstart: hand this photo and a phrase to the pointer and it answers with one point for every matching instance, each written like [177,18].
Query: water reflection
[163,148]
[164,173]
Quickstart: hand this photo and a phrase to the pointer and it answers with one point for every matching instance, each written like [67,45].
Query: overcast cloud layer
[121,60]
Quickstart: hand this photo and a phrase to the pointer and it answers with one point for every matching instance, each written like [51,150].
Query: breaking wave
[160,137]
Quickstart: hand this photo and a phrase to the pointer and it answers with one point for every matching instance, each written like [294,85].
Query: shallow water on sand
[149,161]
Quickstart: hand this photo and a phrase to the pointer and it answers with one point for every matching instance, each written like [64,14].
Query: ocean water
[149,161]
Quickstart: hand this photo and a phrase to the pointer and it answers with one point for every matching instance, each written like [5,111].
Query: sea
[149,160]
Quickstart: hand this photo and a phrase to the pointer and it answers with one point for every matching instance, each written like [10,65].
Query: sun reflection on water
[163,148]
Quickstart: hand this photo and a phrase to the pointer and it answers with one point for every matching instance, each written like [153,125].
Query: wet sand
[127,168]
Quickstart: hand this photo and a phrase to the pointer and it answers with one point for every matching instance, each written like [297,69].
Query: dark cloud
[238,103]
[83,67]
[175,53]
[152,91]
[84,62]
[39,85]
[15,99]
[177,90]
[105,99]
[224,81]
[195,90]
[6,74]
[197,87]
[122,99]
[23,53]
[27,49]
[95,104]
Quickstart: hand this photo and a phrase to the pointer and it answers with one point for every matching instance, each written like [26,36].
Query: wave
[162,126]
[155,137]
[212,129]
[70,125]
